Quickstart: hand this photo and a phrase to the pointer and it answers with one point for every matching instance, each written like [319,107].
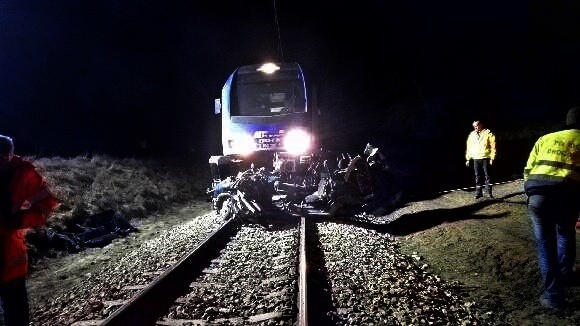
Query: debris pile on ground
[336,185]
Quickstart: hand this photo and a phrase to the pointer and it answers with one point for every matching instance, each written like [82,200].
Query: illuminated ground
[487,245]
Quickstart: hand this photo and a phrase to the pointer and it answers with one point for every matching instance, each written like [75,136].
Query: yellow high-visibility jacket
[555,157]
[480,145]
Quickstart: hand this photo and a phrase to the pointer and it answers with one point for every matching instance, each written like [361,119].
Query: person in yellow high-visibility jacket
[552,184]
[481,149]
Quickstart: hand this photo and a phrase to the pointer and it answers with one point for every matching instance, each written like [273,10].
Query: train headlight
[296,141]
[242,144]
[268,68]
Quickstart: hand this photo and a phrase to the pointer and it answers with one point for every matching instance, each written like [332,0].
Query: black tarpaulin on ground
[96,231]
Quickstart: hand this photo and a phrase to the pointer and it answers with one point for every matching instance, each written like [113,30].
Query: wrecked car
[331,185]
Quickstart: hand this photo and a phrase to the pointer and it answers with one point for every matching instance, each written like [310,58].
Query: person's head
[477,125]
[6,151]
[573,118]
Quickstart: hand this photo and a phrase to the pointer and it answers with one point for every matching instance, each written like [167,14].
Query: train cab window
[269,99]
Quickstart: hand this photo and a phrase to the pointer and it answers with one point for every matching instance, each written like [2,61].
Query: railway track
[154,299]
[242,273]
[294,270]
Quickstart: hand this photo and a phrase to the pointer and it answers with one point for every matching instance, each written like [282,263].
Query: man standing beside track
[552,184]
[25,202]
[481,149]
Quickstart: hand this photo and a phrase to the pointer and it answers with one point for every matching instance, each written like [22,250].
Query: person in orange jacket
[25,202]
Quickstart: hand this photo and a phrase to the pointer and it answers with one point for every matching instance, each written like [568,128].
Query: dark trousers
[15,303]
[482,170]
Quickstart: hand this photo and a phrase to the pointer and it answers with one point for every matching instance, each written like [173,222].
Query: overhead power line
[280,51]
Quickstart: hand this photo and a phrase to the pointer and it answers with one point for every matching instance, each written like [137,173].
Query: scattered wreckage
[97,231]
[329,185]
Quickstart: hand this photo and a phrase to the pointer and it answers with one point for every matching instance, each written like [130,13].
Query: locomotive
[266,126]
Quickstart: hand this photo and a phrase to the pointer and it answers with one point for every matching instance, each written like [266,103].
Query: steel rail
[302,273]
[149,304]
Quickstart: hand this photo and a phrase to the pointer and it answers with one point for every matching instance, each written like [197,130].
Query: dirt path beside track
[487,245]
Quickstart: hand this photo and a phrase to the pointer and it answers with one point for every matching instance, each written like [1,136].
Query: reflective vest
[480,145]
[25,183]
[555,157]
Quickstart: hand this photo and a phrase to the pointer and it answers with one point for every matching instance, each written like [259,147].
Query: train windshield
[269,98]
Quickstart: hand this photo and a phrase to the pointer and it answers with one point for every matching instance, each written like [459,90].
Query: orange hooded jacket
[26,184]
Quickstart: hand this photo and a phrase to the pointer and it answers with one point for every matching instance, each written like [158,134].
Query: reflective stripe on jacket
[555,158]
[480,145]
[25,184]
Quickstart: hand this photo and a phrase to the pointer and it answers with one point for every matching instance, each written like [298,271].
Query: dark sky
[92,76]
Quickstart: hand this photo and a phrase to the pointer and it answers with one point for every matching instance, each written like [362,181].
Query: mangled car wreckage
[330,185]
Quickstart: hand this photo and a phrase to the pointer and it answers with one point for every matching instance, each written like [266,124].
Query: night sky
[80,77]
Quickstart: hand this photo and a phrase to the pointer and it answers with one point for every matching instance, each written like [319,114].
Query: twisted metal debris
[335,186]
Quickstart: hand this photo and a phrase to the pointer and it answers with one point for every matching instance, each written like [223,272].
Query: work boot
[489,192]
[478,194]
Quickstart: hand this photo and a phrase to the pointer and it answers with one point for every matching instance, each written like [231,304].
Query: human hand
[25,205]
[467,163]
[490,162]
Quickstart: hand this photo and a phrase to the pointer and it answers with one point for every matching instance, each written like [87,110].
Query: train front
[265,118]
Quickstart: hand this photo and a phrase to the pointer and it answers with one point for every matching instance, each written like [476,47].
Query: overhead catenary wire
[280,51]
